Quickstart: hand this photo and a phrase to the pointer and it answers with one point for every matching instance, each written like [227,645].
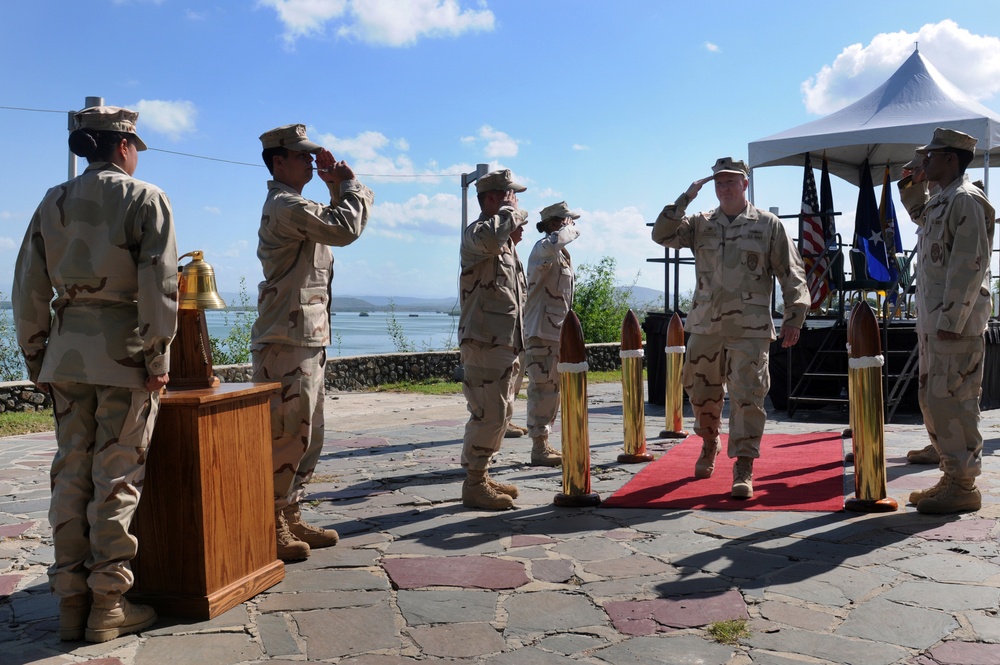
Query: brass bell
[196,284]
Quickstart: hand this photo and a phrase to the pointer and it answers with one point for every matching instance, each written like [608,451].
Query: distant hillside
[642,299]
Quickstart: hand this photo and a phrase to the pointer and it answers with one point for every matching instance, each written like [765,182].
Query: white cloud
[214,210]
[7,243]
[709,46]
[235,250]
[380,22]
[580,146]
[970,61]
[437,215]
[175,119]
[403,22]
[305,18]
[497,143]
[621,234]
[374,155]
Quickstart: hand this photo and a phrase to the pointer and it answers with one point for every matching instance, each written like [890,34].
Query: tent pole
[751,188]
[986,172]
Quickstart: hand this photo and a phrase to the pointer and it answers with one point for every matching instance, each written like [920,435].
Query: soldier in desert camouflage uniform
[104,243]
[490,333]
[954,242]
[292,330]
[737,250]
[550,296]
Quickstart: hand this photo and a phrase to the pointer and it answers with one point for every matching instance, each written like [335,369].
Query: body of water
[355,335]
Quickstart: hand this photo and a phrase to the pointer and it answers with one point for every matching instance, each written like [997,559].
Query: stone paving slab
[572,585]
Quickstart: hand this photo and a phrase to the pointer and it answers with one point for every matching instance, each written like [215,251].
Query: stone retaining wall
[342,373]
[22,396]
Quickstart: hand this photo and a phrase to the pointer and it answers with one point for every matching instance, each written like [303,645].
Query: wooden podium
[205,522]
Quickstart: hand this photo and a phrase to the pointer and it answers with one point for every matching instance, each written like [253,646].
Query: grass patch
[445,387]
[15,423]
[729,631]
[424,387]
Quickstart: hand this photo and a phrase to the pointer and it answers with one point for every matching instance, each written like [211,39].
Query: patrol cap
[558,210]
[917,160]
[501,180]
[109,119]
[292,137]
[729,165]
[949,138]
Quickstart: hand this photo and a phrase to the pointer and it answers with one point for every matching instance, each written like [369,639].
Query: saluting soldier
[491,333]
[292,330]
[104,244]
[953,305]
[737,248]
[550,297]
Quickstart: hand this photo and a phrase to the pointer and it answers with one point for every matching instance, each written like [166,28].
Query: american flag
[813,240]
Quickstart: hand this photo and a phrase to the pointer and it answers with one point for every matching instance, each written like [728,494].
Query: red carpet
[794,472]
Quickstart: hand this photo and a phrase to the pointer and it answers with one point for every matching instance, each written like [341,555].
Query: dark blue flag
[868,235]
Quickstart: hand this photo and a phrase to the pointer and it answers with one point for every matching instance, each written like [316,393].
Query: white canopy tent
[885,127]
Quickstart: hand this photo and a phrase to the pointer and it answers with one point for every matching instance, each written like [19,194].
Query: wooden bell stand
[205,522]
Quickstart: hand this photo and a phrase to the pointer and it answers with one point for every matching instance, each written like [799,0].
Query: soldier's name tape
[865,362]
[631,353]
[674,349]
[573,368]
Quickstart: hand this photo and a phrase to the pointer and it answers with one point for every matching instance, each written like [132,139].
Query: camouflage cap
[950,138]
[729,165]
[501,180]
[918,159]
[292,137]
[109,119]
[559,211]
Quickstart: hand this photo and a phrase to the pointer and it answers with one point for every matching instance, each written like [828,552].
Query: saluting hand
[696,186]
[330,170]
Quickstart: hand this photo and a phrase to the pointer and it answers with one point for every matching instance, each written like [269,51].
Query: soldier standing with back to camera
[954,243]
[292,330]
[104,244]
[738,249]
[490,333]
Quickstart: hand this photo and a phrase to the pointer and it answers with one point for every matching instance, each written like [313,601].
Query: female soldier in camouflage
[104,244]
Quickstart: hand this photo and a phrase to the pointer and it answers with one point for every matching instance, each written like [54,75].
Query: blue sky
[612,107]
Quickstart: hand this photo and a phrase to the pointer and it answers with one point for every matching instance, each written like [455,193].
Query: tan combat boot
[73,613]
[290,548]
[113,615]
[705,465]
[502,488]
[313,536]
[960,495]
[743,478]
[514,431]
[917,496]
[542,454]
[477,493]
[926,455]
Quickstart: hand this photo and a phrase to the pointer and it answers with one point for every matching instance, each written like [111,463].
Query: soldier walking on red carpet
[738,249]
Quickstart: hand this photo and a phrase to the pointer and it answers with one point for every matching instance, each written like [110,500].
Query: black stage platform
[827,340]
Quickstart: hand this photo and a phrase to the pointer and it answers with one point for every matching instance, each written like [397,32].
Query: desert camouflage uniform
[730,322]
[490,331]
[105,243]
[292,329]
[550,296]
[953,293]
